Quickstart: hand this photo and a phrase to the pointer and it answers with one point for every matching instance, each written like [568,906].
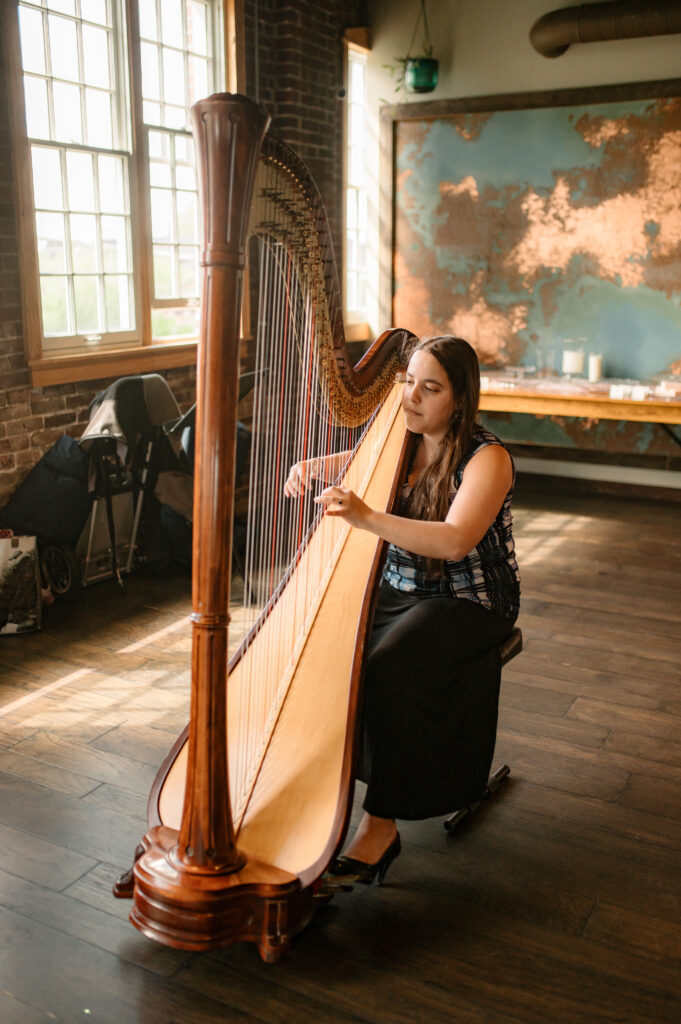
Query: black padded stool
[508,648]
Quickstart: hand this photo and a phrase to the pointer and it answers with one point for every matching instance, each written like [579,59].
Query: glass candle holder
[572,364]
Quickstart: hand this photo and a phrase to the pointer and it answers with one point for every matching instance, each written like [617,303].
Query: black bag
[53,501]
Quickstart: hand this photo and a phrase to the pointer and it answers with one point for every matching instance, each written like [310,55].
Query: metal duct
[553,33]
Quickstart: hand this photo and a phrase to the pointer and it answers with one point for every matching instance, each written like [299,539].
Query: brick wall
[300,72]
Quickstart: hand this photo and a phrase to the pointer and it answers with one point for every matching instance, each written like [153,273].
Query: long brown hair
[431,497]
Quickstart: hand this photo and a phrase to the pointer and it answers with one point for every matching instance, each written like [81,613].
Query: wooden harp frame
[192,888]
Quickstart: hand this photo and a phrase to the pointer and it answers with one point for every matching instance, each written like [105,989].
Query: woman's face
[428,399]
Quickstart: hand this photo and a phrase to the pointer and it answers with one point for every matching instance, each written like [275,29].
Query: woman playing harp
[252,802]
[449,593]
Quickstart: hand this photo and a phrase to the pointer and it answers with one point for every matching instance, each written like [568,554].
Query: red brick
[60,419]
[24,426]
[14,412]
[14,444]
[27,458]
[44,439]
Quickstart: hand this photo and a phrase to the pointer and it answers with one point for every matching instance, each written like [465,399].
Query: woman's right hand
[300,477]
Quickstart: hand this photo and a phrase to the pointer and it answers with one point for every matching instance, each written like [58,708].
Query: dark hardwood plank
[651,794]
[38,860]
[65,976]
[622,928]
[85,759]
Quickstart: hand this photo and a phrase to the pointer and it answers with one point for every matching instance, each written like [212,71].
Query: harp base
[187,909]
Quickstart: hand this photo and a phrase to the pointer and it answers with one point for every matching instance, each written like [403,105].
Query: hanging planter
[420,74]
[417,73]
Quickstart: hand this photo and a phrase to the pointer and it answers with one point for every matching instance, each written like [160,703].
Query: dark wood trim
[430,110]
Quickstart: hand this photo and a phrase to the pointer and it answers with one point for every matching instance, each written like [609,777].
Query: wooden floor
[558,903]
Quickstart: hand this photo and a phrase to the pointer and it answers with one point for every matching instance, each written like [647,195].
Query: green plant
[398,71]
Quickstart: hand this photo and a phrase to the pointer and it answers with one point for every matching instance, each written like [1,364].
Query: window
[109,161]
[356,192]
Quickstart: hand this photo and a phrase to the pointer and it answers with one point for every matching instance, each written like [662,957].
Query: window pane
[115,244]
[94,10]
[65,6]
[171,22]
[68,125]
[81,184]
[161,215]
[151,112]
[96,56]
[188,266]
[356,167]
[151,84]
[159,174]
[356,81]
[187,225]
[63,48]
[37,117]
[47,185]
[197,37]
[51,247]
[84,243]
[173,78]
[355,125]
[351,296]
[175,117]
[198,79]
[86,297]
[361,249]
[159,145]
[117,299]
[32,42]
[164,287]
[111,185]
[184,149]
[99,126]
[173,323]
[54,297]
[148,28]
[351,249]
[185,176]
[351,215]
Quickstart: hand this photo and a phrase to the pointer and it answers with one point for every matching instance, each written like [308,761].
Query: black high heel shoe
[359,871]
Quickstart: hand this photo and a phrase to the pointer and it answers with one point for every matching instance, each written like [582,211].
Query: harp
[252,801]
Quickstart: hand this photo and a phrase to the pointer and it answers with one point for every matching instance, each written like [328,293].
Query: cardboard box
[20,599]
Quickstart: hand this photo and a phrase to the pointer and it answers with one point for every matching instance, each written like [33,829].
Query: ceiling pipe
[553,33]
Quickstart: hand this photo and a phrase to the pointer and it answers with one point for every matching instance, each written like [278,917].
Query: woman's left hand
[341,501]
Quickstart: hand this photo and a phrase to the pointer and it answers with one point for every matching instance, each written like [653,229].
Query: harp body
[253,800]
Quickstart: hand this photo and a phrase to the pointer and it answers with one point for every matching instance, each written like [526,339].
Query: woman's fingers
[336,500]
[297,480]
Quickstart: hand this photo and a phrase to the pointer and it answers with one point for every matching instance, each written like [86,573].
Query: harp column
[182,878]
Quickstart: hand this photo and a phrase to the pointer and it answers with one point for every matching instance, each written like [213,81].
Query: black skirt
[429,705]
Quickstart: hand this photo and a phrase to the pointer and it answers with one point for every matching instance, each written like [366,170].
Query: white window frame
[356,319]
[76,358]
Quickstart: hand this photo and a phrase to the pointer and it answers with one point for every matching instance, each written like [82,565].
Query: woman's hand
[300,477]
[341,501]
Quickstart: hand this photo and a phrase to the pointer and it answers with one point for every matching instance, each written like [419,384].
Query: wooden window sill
[69,369]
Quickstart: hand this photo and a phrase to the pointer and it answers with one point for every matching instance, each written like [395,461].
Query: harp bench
[508,648]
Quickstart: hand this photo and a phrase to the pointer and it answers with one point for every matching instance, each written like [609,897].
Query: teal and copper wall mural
[522,221]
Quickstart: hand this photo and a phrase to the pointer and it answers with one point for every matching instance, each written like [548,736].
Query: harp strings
[286,538]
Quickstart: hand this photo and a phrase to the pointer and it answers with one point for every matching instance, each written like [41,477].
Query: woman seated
[449,594]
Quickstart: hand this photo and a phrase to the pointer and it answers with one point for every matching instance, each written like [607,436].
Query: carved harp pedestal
[253,800]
